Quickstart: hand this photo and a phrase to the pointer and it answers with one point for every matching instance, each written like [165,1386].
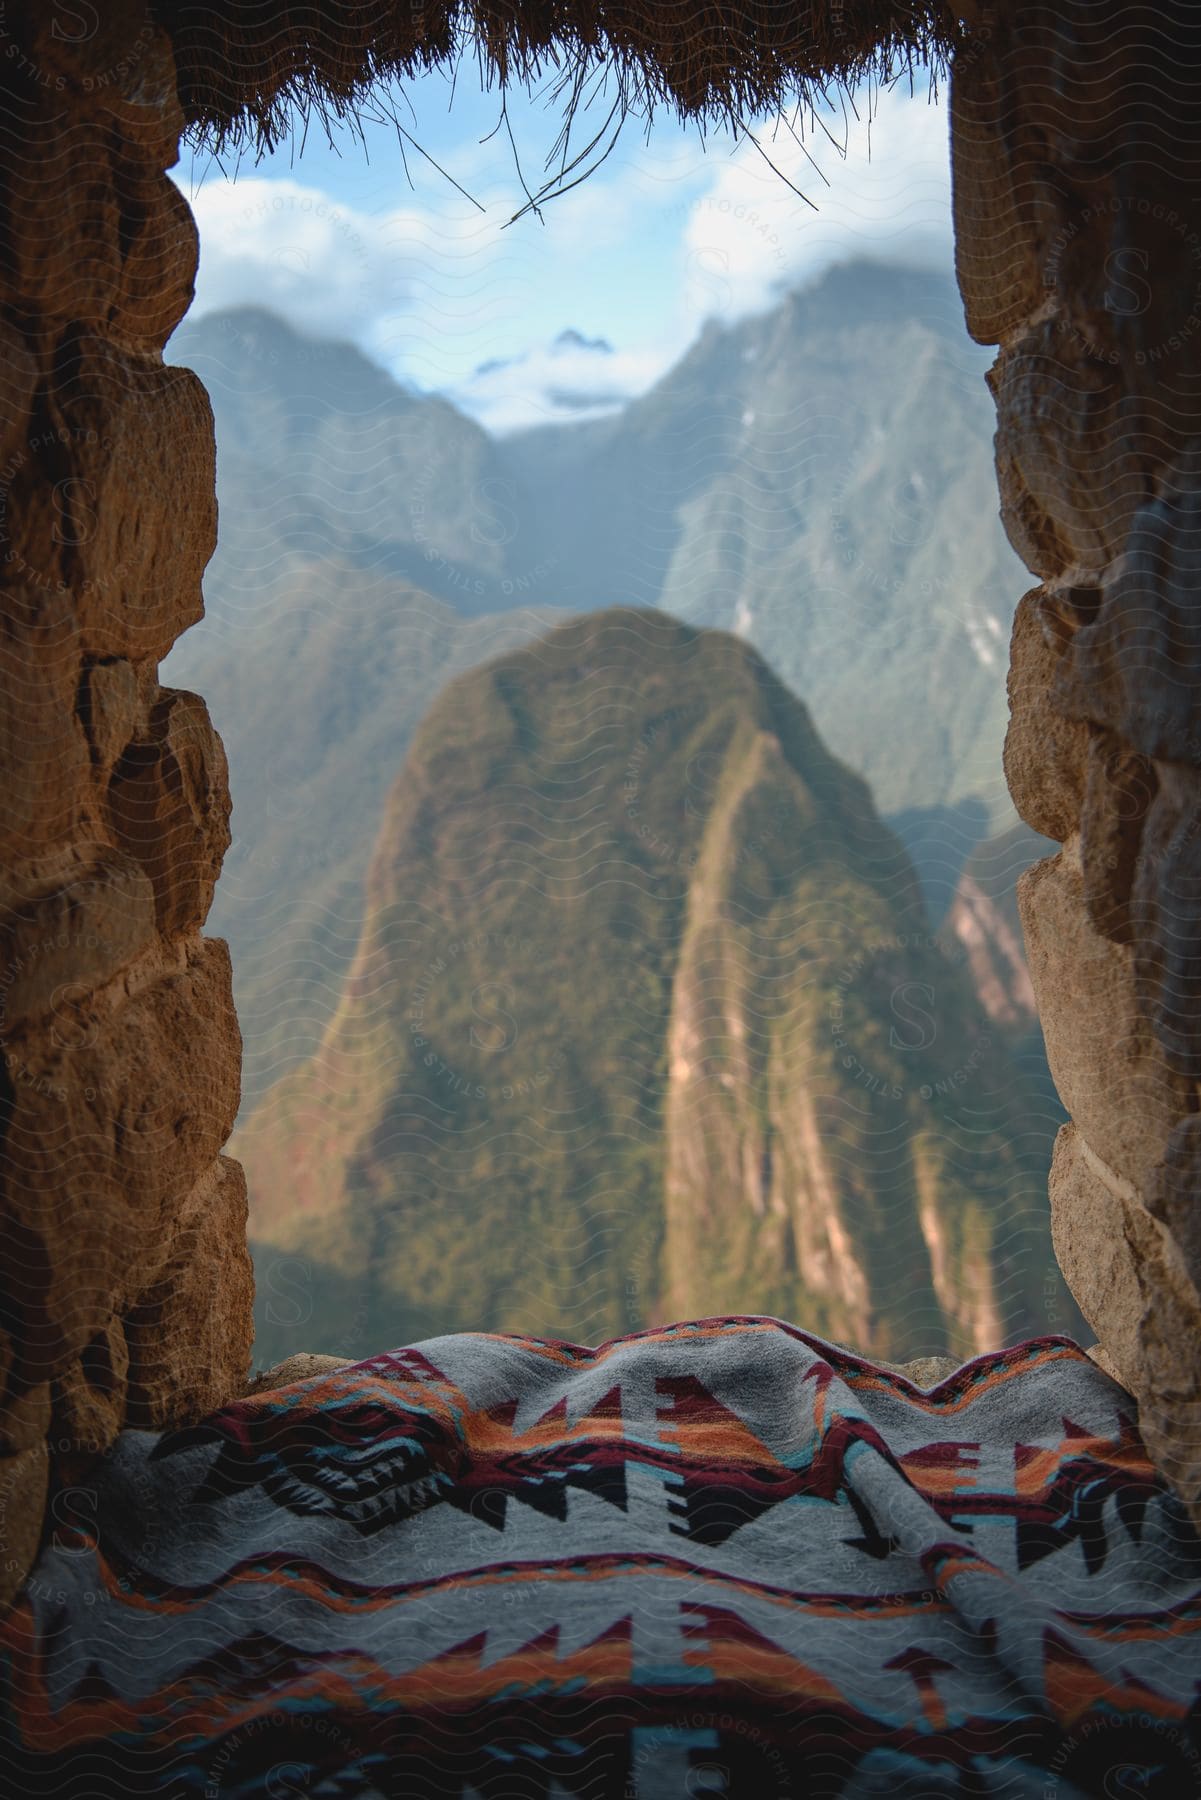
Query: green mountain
[819,479]
[360,565]
[646,1019]
[317,693]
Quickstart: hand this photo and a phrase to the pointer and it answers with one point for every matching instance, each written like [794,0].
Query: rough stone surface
[1045,755]
[26,1416]
[1131,1281]
[1105,1361]
[1164,904]
[24,1479]
[160,263]
[1087,1221]
[110,708]
[1079,253]
[1068,478]
[997,203]
[18,384]
[1119,793]
[302,1366]
[130,436]
[1111,1072]
[128,1290]
[64,943]
[189,1333]
[89,1397]
[43,749]
[1172,1194]
[168,805]
[116,1113]
[1133,667]
[925,1371]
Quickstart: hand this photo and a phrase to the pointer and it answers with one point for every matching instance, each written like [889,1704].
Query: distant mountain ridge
[818,478]
[646,1020]
[802,478]
[321,455]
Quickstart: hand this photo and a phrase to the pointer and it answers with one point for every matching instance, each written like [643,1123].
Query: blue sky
[668,232]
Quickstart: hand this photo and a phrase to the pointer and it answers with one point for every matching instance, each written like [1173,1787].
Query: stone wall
[1076,161]
[127,1281]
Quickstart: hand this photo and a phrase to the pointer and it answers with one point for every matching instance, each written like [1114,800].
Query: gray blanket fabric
[723,1558]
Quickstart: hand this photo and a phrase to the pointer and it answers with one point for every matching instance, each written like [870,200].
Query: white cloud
[556,382]
[881,189]
[432,294]
[431,291]
[292,248]
[644,252]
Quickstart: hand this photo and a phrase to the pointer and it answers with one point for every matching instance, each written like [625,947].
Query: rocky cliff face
[646,1019]
[322,457]
[983,920]
[835,1094]
[127,1280]
[1057,216]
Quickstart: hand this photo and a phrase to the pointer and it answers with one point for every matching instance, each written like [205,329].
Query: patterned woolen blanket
[720,1559]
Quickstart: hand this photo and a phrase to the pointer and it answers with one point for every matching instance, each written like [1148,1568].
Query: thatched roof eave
[248,69]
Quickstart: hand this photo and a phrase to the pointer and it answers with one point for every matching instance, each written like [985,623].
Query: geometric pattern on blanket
[719,1559]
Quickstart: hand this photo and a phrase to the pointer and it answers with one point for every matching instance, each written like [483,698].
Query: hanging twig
[751,139]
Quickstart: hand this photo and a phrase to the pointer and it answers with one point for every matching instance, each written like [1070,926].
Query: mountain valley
[647,1020]
[672,1130]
